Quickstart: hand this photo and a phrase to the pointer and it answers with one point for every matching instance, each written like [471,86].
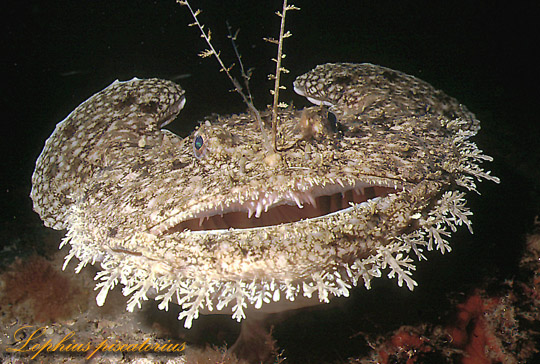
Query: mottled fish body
[363,185]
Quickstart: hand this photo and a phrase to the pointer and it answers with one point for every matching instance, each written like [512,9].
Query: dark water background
[484,53]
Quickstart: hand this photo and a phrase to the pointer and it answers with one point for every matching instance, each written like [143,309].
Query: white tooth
[266,208]
[201,220]
[250,212]
[298,203]
[259,210]
[311,199]
[276,295]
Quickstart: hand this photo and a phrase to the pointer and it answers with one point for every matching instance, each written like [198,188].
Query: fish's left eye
[199,147]
[332,119]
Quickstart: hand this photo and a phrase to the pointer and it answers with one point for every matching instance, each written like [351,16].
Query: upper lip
[300,90]
[173,111]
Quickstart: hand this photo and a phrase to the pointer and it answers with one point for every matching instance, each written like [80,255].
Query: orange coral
[471,331]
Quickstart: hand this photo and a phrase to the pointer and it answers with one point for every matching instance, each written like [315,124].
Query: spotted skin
[187,218]
[377,93]
[128,112]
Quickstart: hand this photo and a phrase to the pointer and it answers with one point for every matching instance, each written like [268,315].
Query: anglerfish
[362,184]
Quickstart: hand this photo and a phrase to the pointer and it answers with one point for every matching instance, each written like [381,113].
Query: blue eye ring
[199,148]
[198,142]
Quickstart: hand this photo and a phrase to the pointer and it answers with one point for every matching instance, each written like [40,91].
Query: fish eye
[199,148]
[333,121]
[199,142]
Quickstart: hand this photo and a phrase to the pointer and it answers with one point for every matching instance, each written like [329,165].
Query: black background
[58,53]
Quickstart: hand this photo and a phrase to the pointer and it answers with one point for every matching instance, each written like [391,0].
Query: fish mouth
[269,209]
[300,90]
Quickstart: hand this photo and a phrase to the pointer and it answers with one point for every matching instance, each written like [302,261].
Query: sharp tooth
[297,200]
[250,212]
[340,182]
[201,220]
[259,210]
[311,199]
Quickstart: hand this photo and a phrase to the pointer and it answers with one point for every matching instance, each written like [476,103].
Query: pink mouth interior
[283,213]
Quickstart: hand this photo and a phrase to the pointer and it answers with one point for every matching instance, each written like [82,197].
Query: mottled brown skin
[122,114]
[209,218]
[378,93]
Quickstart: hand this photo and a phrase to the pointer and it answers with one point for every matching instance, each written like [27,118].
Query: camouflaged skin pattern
[123,187]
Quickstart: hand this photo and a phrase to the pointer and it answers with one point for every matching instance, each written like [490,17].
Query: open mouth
[318,202]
